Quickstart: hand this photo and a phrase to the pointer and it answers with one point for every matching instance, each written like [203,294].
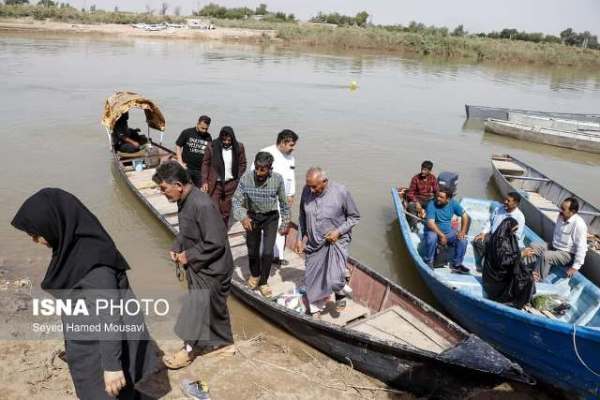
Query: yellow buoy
[353,85]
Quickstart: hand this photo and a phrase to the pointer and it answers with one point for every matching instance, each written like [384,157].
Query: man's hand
[299,247]
[332,236]
[571,271]
[247,224]
[114,381]
[443,239]
[536,276]
[479,238]
[182,258]
[291,200]
[461,235]
[173,256]
[527,252]
[204,187]
[284,229]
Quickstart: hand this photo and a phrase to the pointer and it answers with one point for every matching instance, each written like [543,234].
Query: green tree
[361,18]
[15,2]
[459,31]
[46,3]
[261,9]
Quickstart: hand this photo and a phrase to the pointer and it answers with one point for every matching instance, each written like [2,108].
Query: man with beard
[203,250]
[191,146]
[327,215]
[223,164]
[284,164]
[258,202]
[421,190]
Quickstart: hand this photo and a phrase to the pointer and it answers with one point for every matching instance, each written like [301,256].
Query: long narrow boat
[482,112]
[541,199]
[578,140]
[562,351]
[385,331]
[554,123]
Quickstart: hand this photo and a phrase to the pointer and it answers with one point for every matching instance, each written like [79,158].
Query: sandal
[252,282]
[195,389]
[178,360]
[265,290]
[340,305]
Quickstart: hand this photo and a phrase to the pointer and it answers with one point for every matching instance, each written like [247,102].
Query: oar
[412,215]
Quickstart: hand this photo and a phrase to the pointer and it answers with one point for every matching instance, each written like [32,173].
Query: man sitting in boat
[438,229]
[125,139]
[569,242]
[422,189]
[510,209]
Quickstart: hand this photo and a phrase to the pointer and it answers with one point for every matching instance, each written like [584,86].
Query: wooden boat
[577,140]
[482,112]
[554,123]
[560,350]
[384,331]
[541,199]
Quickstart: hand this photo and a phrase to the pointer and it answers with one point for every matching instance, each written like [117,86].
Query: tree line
[216,11]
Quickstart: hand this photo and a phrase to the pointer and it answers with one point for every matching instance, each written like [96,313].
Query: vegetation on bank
[353,33]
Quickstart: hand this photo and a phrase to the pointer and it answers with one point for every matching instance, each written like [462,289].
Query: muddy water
[370,139]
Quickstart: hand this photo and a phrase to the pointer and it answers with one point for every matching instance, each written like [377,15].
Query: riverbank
[317,36]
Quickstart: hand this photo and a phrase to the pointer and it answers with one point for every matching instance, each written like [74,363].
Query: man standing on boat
[258,202]
[510,209]
[327,215]
[202,248]
[439,230]
[223,165]
[284,164]
[191,146]
[569,242]
[421,190]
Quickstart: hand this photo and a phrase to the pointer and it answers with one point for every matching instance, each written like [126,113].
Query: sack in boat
[151,156]
[548,302]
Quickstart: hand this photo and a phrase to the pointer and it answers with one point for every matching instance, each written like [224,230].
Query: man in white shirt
[284,164]
[510,209]
[569,242]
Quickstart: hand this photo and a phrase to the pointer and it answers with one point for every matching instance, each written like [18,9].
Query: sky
[547,16]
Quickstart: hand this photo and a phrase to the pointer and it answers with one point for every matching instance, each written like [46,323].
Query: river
[52,90]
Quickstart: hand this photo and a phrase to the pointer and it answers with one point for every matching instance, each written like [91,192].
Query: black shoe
[280,261]
[460,269]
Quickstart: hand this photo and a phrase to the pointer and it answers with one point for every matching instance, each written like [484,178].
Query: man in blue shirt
[439,230]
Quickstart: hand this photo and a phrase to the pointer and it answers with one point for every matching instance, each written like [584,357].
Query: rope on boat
[577,352]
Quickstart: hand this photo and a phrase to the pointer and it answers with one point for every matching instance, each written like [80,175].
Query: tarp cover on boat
[121,102]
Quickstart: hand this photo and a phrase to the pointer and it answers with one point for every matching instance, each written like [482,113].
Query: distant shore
[342,39]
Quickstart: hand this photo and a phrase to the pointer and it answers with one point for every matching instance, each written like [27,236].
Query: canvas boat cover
[121,102]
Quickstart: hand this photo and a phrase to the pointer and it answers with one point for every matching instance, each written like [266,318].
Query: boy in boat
[327,215]
[191,146]
[125,139]
[510,209]
[202,248]
[284,164]
[258,202]
[438,230]
[569,242]
[421,190]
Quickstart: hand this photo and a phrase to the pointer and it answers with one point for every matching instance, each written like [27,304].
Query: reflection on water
[371,139]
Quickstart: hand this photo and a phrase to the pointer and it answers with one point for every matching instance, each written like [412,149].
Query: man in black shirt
[191,146]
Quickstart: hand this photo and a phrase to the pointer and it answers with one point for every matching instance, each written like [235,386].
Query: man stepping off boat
[510,209]
[438,230]
[569,242]
[202,248]
[258,202]
[327,215]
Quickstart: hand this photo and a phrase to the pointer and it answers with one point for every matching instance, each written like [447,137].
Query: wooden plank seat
[546,206]
[509,168]
[398,325]
[162,205]
[353,312]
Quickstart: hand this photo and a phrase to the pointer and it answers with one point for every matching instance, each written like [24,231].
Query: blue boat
[563,351]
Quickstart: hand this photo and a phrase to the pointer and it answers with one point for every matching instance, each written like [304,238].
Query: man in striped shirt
[258,201]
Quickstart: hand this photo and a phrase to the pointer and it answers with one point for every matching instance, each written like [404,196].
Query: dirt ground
[265,366]
[119,30]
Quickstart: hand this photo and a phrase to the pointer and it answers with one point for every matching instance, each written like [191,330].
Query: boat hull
[543,347]
[566,139]
[482,112]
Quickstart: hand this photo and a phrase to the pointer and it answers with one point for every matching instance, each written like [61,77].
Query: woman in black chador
[85,260]
[506,279]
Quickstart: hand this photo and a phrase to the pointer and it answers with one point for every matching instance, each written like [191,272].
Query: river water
[52,90]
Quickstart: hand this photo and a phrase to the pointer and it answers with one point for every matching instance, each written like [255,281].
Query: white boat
[578,140]
[554,123]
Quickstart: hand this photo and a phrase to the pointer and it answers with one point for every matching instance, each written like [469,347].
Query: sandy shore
[121,31]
